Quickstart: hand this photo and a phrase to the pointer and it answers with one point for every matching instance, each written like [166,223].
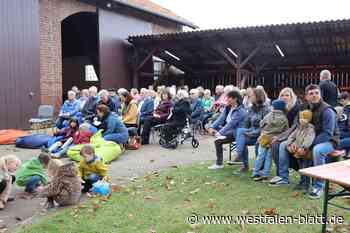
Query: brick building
[46,46]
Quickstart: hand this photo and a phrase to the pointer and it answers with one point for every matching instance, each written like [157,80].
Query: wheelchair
[180,135]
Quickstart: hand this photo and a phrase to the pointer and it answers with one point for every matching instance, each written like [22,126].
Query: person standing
[329,90]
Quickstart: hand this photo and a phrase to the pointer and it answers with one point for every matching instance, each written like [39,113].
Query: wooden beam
[222,52]
[150,55]
[250,56]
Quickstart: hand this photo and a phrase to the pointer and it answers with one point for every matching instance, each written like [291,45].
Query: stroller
[180,135]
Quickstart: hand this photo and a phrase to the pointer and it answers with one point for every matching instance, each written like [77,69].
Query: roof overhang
[116,6]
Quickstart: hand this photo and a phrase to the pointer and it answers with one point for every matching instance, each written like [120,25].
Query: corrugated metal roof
[276,28]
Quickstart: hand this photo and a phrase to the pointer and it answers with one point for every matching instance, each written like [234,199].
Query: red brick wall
[52,12]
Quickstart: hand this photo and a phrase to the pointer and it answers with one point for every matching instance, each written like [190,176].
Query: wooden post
[238,70]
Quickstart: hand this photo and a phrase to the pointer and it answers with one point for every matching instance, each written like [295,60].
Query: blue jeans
[264,159]
[319,155]
[119,138]
[242,143]
[283,161]
[344,144]
[33,183]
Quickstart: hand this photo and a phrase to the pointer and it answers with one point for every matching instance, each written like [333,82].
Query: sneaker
[261,178]
[241,171]
[315,193]
[215,167]
[254,176]
[275,180]
[236,161]
[279,183]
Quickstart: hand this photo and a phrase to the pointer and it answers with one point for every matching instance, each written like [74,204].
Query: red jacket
[82,137]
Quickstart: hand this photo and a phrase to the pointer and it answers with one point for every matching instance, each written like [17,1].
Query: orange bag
[9,136]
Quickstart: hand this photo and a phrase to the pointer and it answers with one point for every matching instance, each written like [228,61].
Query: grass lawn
[160,203]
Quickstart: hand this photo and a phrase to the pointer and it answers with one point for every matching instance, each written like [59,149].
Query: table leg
[325,208]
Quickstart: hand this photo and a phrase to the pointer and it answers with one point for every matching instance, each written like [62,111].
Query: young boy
[91,167]
[299,143]
[272,125]
[32,174]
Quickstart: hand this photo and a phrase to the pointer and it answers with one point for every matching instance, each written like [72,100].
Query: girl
[8,167]
[65,136]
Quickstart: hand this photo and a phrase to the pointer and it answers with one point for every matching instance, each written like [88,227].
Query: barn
[47,46]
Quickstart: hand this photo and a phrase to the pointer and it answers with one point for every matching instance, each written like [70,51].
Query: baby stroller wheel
[195,143]
[162,141]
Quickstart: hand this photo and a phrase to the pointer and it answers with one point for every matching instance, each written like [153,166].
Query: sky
[236,13]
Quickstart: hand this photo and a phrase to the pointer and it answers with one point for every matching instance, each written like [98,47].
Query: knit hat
[279,105]
[306,115]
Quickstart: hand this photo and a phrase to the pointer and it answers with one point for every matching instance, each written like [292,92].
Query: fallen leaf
[149,197]
[18,218]
[211,204]
[195,226]
[3,226]
[245,212]
[295,194]
[167,186]
[116,188]
[194,191]
[172,182]
[169,178]
[188,200]
[152,161]
[270,211]
[174,166]
[95,207]
[131,216]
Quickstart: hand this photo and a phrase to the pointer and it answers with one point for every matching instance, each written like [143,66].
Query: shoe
[216,167]
[236,161]
[241,171]
[315,193]
[254,176]
[55,156]
[261,178]
[279,183]
[275,180]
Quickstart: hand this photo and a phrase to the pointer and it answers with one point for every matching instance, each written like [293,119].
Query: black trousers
[219,150]
[147,126]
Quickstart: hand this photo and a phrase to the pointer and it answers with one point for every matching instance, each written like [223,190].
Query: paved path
[131,164]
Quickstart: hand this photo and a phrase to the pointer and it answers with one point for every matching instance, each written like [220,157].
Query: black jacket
[89,108]
[329,92]
[181,110]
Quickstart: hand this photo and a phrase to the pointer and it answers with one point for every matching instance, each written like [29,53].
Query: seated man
[326,139]
[69,109]
[225,126]
[89,109]
[107,100]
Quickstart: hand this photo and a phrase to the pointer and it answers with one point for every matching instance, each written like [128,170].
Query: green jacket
[207,103]
[31,168]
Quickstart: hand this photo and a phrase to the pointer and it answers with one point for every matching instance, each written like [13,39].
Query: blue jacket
[71,107]
[147,108]
[113,125]
[329,125]
[116,101]
[197,110]
[229,128]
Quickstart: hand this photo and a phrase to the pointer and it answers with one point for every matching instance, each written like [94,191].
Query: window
[90,74]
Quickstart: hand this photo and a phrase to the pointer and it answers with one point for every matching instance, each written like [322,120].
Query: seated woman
[160,116]
[107,100]
[177,118]
[225,126]
[69,109]
[146,105]
[196,106]
[249,134]
[129,110]
[89,109]
[65,136]
[114,129]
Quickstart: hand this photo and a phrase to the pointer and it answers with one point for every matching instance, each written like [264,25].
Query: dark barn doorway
[80,54]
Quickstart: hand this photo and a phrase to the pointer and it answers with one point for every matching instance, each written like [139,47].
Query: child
[64,187]
[91,167]
[67,134]
[8,166]
[32,174]
[82,136]
[271,126]
[299,143]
